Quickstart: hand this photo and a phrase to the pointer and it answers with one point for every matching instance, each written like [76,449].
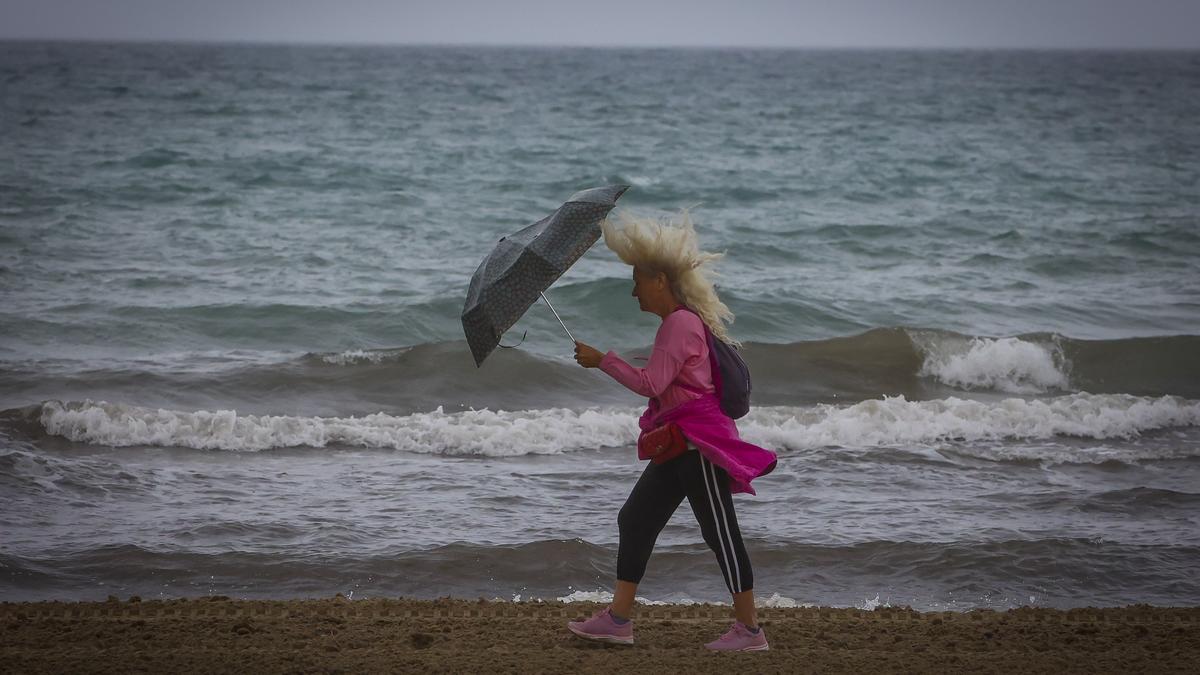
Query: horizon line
[244,42]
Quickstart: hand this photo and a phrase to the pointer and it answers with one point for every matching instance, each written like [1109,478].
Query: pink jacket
[678,381]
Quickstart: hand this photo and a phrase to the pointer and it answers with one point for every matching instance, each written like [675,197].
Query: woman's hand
[586,355]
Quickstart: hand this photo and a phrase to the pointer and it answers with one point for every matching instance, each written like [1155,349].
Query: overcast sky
[766,23]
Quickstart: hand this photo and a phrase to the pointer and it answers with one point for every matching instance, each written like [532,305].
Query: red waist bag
[662,444]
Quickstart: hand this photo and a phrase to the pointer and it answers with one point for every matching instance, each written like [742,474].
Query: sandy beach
[339,635]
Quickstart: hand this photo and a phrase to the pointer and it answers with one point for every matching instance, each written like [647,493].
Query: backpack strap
[714,367]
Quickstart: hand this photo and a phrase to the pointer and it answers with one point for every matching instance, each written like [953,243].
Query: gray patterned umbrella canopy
[513,275]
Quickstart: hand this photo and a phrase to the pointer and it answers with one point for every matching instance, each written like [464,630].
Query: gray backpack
[731,375]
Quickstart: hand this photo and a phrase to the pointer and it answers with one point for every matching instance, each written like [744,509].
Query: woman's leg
[653,499]
[743,608]
[623,595]
[712,503]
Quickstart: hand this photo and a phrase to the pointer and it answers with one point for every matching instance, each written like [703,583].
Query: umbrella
[524,264]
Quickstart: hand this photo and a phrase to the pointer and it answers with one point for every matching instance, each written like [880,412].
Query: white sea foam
[1008,364]
[587,596]
[356,356]
[774,601]
[474,432]
[877,422]
[777,600]
[871,605]
[895,421]
[606,597]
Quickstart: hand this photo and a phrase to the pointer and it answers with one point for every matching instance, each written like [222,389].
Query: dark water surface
[231,359]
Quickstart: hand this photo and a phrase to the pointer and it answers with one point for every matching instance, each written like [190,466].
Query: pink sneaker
[601,627]
[740,639]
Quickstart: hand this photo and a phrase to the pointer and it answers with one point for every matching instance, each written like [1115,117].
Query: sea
[967,284]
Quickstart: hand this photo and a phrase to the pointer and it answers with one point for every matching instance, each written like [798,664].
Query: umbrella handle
[560,321]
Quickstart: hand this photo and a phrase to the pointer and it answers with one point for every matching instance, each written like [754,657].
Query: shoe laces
[733,632]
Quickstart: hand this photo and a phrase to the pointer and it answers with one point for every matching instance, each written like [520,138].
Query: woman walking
[670,280]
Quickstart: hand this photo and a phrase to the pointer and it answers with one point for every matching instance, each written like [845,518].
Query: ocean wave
[888,361]
[887,422]
[360,356]
[474,432]
[1011,365]
[894,421]
[918,364]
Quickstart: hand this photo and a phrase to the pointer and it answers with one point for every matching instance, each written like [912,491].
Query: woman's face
[647,288]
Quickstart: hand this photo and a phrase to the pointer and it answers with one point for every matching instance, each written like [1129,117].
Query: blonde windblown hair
[671,247]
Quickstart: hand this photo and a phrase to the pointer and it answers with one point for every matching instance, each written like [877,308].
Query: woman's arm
[680,337]
[649,381]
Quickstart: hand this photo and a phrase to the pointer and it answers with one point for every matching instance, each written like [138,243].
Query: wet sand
[339,635]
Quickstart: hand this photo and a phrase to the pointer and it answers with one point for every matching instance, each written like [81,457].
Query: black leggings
[656,496]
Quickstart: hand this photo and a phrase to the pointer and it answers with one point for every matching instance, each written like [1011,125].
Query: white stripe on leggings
[736,570]
[712,505]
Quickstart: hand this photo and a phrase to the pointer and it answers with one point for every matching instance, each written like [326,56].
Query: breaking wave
[1009,365]
[918,364]
[890,421]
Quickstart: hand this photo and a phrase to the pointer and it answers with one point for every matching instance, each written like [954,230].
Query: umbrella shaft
[560,321]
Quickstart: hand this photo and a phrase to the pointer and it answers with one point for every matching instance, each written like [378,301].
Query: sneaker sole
[757,648]
[611,639]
